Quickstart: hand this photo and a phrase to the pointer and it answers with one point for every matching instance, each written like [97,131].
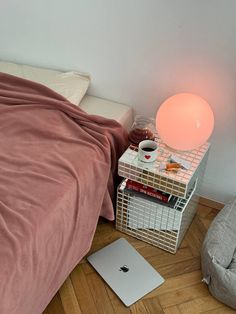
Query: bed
[57,165]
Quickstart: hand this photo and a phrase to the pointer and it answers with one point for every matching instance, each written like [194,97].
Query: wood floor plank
[199,305]
[176,283]
[153,305]
[210,203]
[82,291]
[139,308]
[179,296]
[150,251]
[55,306]
[99,294]
[206,222]
[212,214]
[203,210]
[87,268]
[206,215]
[183,244]
[221,310]
[195,236]
[166,258]
[172,310]
[68,298]
[118,306]
[109,235]
[183,267]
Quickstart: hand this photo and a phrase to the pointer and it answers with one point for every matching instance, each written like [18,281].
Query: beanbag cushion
[219,256]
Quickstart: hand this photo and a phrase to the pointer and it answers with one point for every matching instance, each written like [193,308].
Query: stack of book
[151,194]
[159,213]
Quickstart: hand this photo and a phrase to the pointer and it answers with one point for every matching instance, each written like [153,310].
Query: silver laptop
[128,274]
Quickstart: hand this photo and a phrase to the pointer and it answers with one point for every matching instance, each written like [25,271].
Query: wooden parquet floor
[183,292]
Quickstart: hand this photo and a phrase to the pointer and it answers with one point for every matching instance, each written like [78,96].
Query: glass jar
[142,129]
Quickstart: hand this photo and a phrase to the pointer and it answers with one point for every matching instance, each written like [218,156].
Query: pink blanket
[56,179]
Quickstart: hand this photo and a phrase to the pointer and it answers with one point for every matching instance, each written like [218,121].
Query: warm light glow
[184,121]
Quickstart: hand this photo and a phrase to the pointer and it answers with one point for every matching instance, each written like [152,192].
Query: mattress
[108,109]
[73,86]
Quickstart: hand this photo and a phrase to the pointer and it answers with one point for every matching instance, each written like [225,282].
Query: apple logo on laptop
[124,268]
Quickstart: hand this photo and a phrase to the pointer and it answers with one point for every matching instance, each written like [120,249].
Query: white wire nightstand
[152,221]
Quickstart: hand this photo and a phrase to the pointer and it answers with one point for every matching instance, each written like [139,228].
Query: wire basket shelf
[150,174]
[153,222]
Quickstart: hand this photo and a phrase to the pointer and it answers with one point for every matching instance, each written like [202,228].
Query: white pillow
[71,85]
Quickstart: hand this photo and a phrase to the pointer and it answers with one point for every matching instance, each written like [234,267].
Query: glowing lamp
[184,121]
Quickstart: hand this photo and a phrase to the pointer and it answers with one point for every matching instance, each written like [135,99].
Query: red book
[139,187]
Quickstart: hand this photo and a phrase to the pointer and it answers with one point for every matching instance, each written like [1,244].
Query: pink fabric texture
[56,178]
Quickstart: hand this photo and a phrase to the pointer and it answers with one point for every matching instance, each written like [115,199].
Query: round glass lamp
[184,121]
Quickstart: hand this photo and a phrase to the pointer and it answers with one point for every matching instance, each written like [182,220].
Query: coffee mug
[147,151]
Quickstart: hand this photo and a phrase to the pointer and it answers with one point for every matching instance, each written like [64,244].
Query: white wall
[139,52]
